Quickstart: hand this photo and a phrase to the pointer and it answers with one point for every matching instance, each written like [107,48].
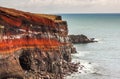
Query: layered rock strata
[33,46]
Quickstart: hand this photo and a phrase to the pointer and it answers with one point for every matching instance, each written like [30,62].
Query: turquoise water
[101,59]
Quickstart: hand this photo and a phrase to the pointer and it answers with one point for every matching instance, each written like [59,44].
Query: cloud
[61,2]
[64,6]
[74,2]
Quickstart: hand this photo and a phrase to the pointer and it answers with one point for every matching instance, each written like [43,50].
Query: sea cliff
[34,46]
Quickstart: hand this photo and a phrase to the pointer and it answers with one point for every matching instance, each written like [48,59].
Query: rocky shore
[76,39]
[34,46]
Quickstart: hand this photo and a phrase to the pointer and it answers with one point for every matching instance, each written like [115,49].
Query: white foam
[78,56]
[85,67]
[99,40]
[81,53]
[96,39]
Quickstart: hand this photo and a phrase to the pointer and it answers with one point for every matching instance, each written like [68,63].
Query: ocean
[100,60]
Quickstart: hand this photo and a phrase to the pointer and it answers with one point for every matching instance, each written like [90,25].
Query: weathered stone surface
[76,39]
[33,46]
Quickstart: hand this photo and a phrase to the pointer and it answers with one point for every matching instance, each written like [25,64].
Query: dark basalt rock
[76,39]
[34,46]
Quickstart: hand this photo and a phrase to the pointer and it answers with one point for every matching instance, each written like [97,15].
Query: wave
[96,39]
[81,53]
[99,40]
[85,66]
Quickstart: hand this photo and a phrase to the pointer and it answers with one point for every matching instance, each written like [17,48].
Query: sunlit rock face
[33,46]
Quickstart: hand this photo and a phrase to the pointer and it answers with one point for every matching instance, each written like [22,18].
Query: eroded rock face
[33,46]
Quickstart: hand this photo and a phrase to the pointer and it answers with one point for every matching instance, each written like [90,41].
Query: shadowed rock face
[33,46]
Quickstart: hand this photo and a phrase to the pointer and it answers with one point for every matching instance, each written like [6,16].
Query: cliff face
[33,46]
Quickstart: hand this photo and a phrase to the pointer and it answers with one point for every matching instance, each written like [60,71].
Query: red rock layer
[16,20]
[33,44]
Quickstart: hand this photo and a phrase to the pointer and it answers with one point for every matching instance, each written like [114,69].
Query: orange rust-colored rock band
[7,46]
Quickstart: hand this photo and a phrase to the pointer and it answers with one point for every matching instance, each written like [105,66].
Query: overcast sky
[64,6]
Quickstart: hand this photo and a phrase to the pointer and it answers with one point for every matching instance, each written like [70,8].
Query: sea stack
[77,39]
[33,46]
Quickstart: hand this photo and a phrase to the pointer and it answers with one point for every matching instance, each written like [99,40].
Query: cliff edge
[34,46]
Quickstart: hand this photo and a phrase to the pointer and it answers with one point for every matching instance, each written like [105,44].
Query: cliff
[34,46]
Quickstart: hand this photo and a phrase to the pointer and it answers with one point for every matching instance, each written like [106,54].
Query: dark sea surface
[101,60]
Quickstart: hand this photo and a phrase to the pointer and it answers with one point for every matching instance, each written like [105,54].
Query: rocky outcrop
[76,39]
[34,46]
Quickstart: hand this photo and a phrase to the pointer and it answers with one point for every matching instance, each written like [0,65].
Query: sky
[64,6]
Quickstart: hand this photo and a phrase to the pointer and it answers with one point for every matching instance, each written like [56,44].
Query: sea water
[101,60]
